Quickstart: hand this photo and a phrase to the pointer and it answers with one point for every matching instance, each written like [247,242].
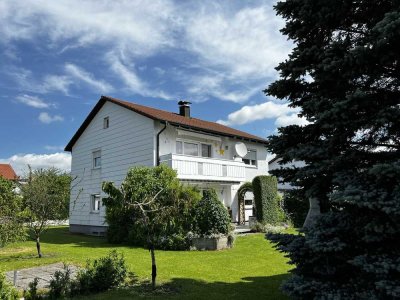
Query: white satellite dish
[241,149]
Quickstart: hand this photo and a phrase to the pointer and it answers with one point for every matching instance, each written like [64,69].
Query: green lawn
[252,269]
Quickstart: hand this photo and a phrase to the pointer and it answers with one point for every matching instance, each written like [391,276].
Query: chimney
[184,108]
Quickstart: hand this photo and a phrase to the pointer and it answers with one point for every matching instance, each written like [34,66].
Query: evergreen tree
[344,74]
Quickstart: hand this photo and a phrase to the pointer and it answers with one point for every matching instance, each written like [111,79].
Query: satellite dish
[241,149]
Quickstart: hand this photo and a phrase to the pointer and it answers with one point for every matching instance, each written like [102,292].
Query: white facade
[106,154]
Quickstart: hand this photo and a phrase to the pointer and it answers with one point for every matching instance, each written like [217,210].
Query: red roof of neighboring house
[7,172]
[165,116]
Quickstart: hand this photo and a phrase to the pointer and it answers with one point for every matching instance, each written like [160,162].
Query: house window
[193,149]
[179,147]
[250,158]
[106,122]
[205,150]
[97,159]
[96,202]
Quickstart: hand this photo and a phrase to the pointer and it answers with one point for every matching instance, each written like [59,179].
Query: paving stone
[43,273]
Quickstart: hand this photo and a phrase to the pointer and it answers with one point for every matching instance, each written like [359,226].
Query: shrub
[102,274]
[169,226]
[32,292]
[7,291]
[265,189]
[211,217]
[267,228]
[60,284]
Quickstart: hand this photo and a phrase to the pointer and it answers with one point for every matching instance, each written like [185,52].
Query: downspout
[158,143]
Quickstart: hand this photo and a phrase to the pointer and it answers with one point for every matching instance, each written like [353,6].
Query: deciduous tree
[45,197]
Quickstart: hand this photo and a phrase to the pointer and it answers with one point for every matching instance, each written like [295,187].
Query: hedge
[265,189]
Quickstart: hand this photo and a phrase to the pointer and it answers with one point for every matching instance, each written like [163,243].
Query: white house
[117,135]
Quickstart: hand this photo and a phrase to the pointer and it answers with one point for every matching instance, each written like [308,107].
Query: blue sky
[59,57]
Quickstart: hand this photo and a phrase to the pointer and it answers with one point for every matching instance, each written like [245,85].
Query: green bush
[169,226]
[32,292]
[102,274]
[7,291]
[265,189]
[60,284]
[211,217]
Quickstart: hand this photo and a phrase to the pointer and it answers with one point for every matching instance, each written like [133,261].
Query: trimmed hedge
[265,189]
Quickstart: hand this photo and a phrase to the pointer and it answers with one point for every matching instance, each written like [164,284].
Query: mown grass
[253,269]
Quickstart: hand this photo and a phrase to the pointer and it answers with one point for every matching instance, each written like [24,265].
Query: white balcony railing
[201,168]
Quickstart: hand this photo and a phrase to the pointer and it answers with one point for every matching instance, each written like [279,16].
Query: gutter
[158,143]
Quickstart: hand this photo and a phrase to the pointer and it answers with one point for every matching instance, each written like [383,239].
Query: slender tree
[344,75]
[45,196]
[155,201]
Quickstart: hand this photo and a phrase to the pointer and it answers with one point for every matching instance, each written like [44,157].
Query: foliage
[102,274]
[268,228]
[343,76]
[7,291]
[296,205]
[45,198]
[32,292]
[265,189]
[11,225]
[60,284]
[245,187]
[211,217]
[172,219]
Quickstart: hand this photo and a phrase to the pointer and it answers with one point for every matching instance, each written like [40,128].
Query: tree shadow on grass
[62,236]
[265,287]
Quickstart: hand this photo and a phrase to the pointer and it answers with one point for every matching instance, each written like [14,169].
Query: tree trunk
[313,212]
[153,267]
[38,247]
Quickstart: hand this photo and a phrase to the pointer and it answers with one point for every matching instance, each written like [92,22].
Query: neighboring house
[7,172]
[118,135]
[275,164]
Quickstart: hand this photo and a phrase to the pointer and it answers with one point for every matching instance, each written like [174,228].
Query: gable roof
[165,116]
[7,172]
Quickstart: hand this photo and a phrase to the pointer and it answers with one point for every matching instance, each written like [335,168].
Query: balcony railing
[202,168]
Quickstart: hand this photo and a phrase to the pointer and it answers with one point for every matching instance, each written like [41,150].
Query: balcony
[205,169]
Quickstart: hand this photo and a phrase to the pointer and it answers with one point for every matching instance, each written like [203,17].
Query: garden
[252,268]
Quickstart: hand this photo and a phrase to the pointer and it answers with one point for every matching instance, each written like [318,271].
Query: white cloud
[291,119]
[141,26]
[220,49]
[131,80]
[33,101]
[28,81]
[20,161]
[54,148]
[44,117]
[245,43]
[267,110]
[79,73]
